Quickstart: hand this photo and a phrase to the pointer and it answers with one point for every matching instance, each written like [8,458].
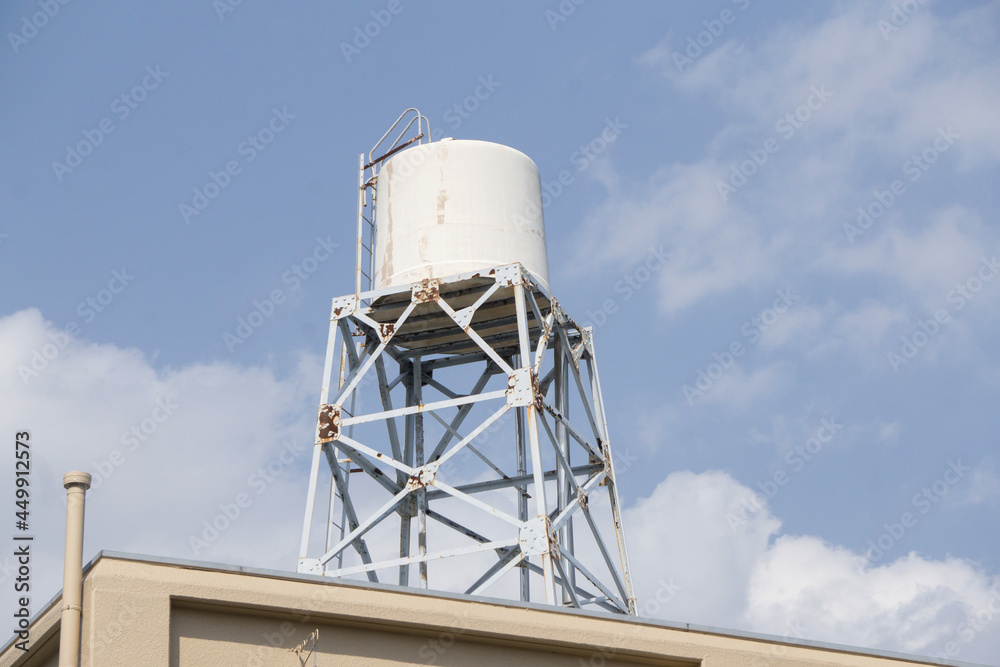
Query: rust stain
[328,423]
[422,245]
[536,391]
[426,291]
[385,274]
[421,478]
[442,202]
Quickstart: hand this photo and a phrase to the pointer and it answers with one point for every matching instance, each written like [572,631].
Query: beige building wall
[156,613]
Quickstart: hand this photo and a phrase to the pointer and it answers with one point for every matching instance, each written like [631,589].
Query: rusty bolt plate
[329,423]
[426,291]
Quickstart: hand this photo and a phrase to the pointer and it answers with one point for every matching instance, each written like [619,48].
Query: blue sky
[785,322]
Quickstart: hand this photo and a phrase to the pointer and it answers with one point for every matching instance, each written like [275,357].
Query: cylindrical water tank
[450,207]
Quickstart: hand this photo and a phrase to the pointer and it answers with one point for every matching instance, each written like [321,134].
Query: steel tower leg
[522,492]
[563,483]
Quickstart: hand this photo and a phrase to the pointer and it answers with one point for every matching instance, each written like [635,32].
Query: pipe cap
[76,478]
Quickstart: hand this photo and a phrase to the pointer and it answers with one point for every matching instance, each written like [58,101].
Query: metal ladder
[368,169]
[364,280]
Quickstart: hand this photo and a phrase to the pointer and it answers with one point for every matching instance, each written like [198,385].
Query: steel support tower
[512,473]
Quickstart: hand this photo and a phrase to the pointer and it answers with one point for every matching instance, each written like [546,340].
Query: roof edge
[460,597]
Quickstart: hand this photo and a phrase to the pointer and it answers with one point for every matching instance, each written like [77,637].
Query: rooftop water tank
[450,207]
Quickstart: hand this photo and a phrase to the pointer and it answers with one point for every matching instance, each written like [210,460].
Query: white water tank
[451,207]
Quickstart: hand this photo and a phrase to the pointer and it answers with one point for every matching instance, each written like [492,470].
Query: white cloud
[682,531]
[734,569]
[200,433]
[913,605]
[984,488]
[863,333]
[929,261]
[867,327]
[888,431]
[889,94]
[798,327]
[889,99]
[738,389]
[712,250]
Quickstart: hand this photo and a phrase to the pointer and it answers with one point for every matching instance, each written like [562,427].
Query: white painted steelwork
[531,358]
[451,207]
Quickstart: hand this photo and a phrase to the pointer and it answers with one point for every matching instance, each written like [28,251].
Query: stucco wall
[160,614]
[208,637]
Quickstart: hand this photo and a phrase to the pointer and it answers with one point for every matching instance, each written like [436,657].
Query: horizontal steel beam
[437,555]
[425,407]
[519,480]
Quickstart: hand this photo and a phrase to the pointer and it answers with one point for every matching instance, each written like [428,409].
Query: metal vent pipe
[76,483]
